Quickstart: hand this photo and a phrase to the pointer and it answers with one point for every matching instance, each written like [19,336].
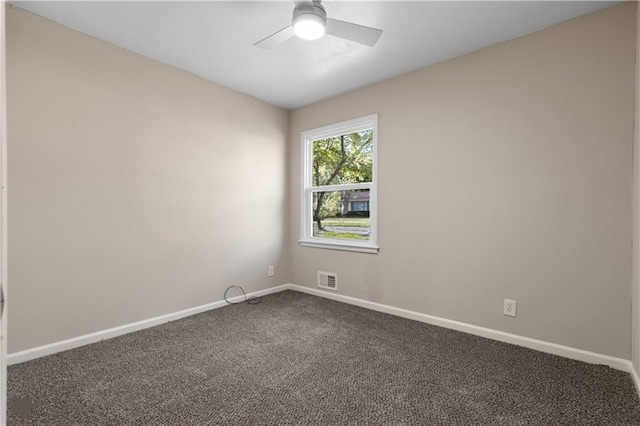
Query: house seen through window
[339,187]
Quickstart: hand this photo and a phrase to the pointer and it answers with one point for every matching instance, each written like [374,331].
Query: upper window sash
[351,126]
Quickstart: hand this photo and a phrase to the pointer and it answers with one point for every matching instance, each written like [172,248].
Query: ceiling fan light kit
[310,22]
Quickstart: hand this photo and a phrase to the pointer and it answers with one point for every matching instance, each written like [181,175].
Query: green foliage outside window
[345,159]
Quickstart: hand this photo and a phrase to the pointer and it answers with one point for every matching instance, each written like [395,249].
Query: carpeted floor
[300,359]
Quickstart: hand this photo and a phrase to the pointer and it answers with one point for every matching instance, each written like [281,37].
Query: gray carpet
[300,359]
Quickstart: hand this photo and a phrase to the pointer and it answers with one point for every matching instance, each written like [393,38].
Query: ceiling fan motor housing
[308,8]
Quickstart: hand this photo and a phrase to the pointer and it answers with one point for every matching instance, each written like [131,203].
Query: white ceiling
[214,39]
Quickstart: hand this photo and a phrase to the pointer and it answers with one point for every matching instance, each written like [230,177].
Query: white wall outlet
[510,307]
[270,271]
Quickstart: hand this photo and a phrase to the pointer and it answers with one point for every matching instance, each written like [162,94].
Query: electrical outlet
[271,272]
[510,307]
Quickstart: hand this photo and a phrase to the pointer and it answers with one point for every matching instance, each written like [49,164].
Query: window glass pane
[341,214]
[343,159]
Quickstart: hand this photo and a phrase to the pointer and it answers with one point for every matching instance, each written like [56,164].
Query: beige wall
[139,190]
[505,173]
[136,189]
[635,283]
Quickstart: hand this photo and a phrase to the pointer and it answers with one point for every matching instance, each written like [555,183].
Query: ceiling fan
[310,22]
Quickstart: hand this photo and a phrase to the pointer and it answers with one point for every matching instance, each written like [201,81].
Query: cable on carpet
[251,300]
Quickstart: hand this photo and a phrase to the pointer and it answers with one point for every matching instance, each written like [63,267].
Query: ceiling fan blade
[354,32]
[275,38]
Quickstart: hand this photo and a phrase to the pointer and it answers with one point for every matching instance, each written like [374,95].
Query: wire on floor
[251,300]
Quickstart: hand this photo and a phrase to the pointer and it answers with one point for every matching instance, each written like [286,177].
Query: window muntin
[339,197]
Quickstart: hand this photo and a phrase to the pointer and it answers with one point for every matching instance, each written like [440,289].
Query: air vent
[328,280]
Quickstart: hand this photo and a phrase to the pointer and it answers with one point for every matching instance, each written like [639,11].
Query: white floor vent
[328,280]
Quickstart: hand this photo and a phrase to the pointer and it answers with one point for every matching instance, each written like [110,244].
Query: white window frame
[307,239]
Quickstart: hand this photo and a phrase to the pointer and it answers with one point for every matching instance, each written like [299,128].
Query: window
[338,199]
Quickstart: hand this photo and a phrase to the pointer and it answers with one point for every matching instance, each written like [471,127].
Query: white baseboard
[539,345]
[52,348]
[635,377]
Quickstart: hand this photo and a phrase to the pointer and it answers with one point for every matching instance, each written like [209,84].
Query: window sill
[340,246]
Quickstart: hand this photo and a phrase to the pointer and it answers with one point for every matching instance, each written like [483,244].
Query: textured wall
[136,189]
[505,173]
